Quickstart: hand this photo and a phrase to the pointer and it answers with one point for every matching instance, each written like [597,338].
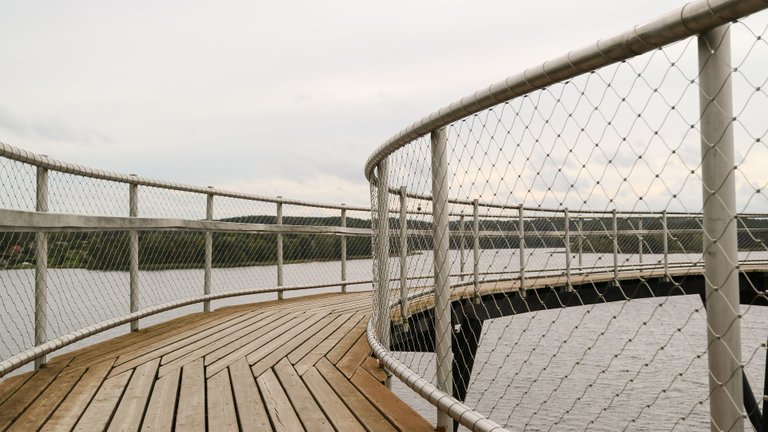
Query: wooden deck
[292,365]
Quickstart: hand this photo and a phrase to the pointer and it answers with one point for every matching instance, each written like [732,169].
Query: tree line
[178,249]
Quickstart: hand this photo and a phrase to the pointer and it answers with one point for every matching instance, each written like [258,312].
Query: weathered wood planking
[278,365]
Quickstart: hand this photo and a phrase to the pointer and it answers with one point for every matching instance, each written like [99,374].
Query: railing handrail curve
[691,19]
[24,156]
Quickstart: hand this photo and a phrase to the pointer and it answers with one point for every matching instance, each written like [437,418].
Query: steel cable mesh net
[620,149]
[88,279]
[170,262]
[87,282]
[17,249]
[243,260]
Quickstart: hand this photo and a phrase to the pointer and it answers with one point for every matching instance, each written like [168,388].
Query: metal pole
[462,258]
[640,239]
[521,234]
[208,252]
[443,327]
[615,249]
[580,239]
[765,390]
[381,311]
[721,265]
[279,221]
[567,241]
[343,251]
[665,242]
[133,246]
[41,268]
[403,263]
[476,248]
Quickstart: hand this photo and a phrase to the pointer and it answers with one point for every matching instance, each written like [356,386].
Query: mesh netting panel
[98,249]
[577,246]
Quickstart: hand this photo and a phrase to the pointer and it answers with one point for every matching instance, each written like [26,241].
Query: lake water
[593,367]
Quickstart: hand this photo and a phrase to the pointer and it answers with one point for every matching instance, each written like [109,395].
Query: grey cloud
[52,129]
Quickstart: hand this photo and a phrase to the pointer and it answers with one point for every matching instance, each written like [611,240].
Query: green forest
[159,250]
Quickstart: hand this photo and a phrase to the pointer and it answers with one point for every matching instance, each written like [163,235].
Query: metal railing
[207,249]
[500,148]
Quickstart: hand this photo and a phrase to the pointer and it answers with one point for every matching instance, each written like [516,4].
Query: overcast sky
[272,98]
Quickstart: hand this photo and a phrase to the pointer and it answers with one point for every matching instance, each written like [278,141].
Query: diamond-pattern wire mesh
[88,274]
[16,250]
[625,137]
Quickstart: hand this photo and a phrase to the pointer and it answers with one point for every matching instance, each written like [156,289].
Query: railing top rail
[24,156]
[574,211]
[693,18]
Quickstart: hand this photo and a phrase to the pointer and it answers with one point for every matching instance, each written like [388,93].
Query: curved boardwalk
[297,364]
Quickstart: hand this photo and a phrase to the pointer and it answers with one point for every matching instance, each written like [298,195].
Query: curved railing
[626,135]
[101,249]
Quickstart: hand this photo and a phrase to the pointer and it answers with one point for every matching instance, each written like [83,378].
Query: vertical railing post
[441,233]
[567,242]
[765,390]
[521,246]
[665,244]
[403,256]
[462,257]
[279,221]
[41,267]
[343,251]
[615,235]
[721,265]
[133,246]
[381,312]
[208,252]
[580,242]
[640,239]
[476,248]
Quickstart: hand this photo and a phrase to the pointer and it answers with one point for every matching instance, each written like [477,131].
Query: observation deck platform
[288,365]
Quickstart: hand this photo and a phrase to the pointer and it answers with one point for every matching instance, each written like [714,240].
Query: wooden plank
[180,337]
[395,410]
[126,343]
[279,408]
[309,413]
[162,404]
[332,406]
[325,346]
[9,385]
[190,415]
[130,411]
[99,412]
[101,351]
[221,405]
[68,413]
[346,342]
[22,398]
[220,345]
[177,345]
[229,348]
[372,366]
[36,415]
[250,408]
[361,407]
[318,338]
[277,349]
[303,323]
[240,350]
[355,356]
